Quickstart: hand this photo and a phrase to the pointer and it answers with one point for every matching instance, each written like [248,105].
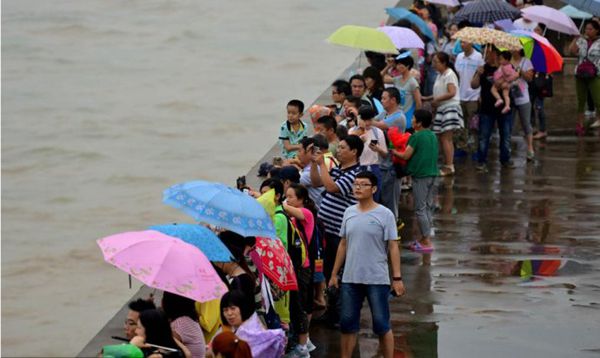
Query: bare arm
[295,212]
[326,179]
[394,250]
[315,178]
[417,97]
[573,47]
[340,257]
[476,80]
[404,155]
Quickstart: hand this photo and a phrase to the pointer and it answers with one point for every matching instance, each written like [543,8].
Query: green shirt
[423,162]
[281,228]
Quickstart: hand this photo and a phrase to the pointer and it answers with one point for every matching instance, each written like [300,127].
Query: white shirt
[440,87]
[466,66]
[368,156]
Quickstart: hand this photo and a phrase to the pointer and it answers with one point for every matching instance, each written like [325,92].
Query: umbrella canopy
[402,37]
[164,262]
[486,11]
[505,25]
[591,6]
[543,55]
[530,268]
[484,36]
[271,258]
[221,205]
[552,18]
[203,238]
[362,38]
[450,3]
[403,14]
[575,13]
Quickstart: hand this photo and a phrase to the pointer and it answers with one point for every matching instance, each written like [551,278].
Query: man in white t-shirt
[466,65]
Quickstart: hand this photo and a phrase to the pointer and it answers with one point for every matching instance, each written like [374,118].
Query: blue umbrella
[221,205]
[591,6]
[403,14]
[203,238]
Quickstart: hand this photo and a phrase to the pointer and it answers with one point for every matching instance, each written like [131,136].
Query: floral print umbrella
[272,259]
[484,36]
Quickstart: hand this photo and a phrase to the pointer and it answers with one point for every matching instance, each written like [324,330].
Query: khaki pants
[467,138]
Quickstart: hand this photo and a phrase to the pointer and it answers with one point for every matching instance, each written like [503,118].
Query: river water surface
[106,103]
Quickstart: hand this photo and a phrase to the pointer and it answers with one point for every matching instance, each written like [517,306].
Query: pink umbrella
[552,18]
[164,262]
[402,37]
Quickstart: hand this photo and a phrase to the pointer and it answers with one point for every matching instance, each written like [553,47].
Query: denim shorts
[352,297]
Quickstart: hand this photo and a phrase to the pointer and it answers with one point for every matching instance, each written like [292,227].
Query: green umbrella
[363,38]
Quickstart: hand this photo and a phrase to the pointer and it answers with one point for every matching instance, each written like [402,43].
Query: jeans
[352,297]
[486,126]
[539,112]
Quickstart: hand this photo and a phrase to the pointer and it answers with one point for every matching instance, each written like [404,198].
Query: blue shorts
[352,297]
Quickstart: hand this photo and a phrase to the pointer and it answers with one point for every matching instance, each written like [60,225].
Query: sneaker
[310,345]
[590,114]
[508,165]
[540,135]
[298,352]
[596,124]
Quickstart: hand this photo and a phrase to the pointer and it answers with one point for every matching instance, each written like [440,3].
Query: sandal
[446,171]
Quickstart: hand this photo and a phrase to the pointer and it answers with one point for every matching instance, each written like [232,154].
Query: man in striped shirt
[338,195]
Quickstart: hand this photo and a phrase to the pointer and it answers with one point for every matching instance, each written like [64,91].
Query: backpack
[315,249]
[296,245]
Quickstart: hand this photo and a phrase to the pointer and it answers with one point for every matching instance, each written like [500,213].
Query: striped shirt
[191,335]
[333,205]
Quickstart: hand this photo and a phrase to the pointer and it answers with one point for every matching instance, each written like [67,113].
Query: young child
[292,130]
[503,78]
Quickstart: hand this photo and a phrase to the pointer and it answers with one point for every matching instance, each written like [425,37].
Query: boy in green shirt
[422,154]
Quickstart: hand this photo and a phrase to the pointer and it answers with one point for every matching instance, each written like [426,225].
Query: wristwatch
[398,278]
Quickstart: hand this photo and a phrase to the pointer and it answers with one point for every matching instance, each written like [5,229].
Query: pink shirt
[506,72]
[309,226]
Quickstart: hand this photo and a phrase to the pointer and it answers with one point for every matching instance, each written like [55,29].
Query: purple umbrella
[552,18]
[505,25]
[402,37]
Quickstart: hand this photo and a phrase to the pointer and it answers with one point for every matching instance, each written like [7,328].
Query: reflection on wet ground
[516,269]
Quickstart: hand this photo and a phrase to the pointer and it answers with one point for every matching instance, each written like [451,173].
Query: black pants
[331,246]
[301,301]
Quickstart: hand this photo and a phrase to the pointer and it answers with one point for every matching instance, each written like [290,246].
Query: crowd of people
[336,190]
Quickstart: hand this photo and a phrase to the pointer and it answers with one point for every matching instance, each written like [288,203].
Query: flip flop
[417,247]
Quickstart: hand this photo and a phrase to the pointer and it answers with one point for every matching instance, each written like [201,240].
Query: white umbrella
[552,18]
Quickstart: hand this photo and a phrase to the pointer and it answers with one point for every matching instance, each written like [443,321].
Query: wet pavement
[516,266]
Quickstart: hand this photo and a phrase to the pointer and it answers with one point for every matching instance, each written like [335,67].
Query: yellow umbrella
[363,38]
[484,36]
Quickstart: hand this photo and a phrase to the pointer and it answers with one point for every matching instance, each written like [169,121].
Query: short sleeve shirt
[333,205]
[396,119]
[466,67]
[315,193]
[440,87]
[525,65]
[406,88]
[286,132]
[367,235]
[423,162]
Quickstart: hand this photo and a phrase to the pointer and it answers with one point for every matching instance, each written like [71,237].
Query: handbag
[586,69]
[543,85]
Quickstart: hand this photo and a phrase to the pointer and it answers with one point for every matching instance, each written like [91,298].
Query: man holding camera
[375,145]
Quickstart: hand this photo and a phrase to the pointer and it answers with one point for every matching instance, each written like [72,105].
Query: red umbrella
[272,259]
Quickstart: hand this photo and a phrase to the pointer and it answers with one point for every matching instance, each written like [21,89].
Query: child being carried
[504,77]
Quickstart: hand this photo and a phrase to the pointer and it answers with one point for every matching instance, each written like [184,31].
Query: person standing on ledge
[367,227]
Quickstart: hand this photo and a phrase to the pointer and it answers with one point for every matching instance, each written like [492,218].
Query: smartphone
[374,141]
